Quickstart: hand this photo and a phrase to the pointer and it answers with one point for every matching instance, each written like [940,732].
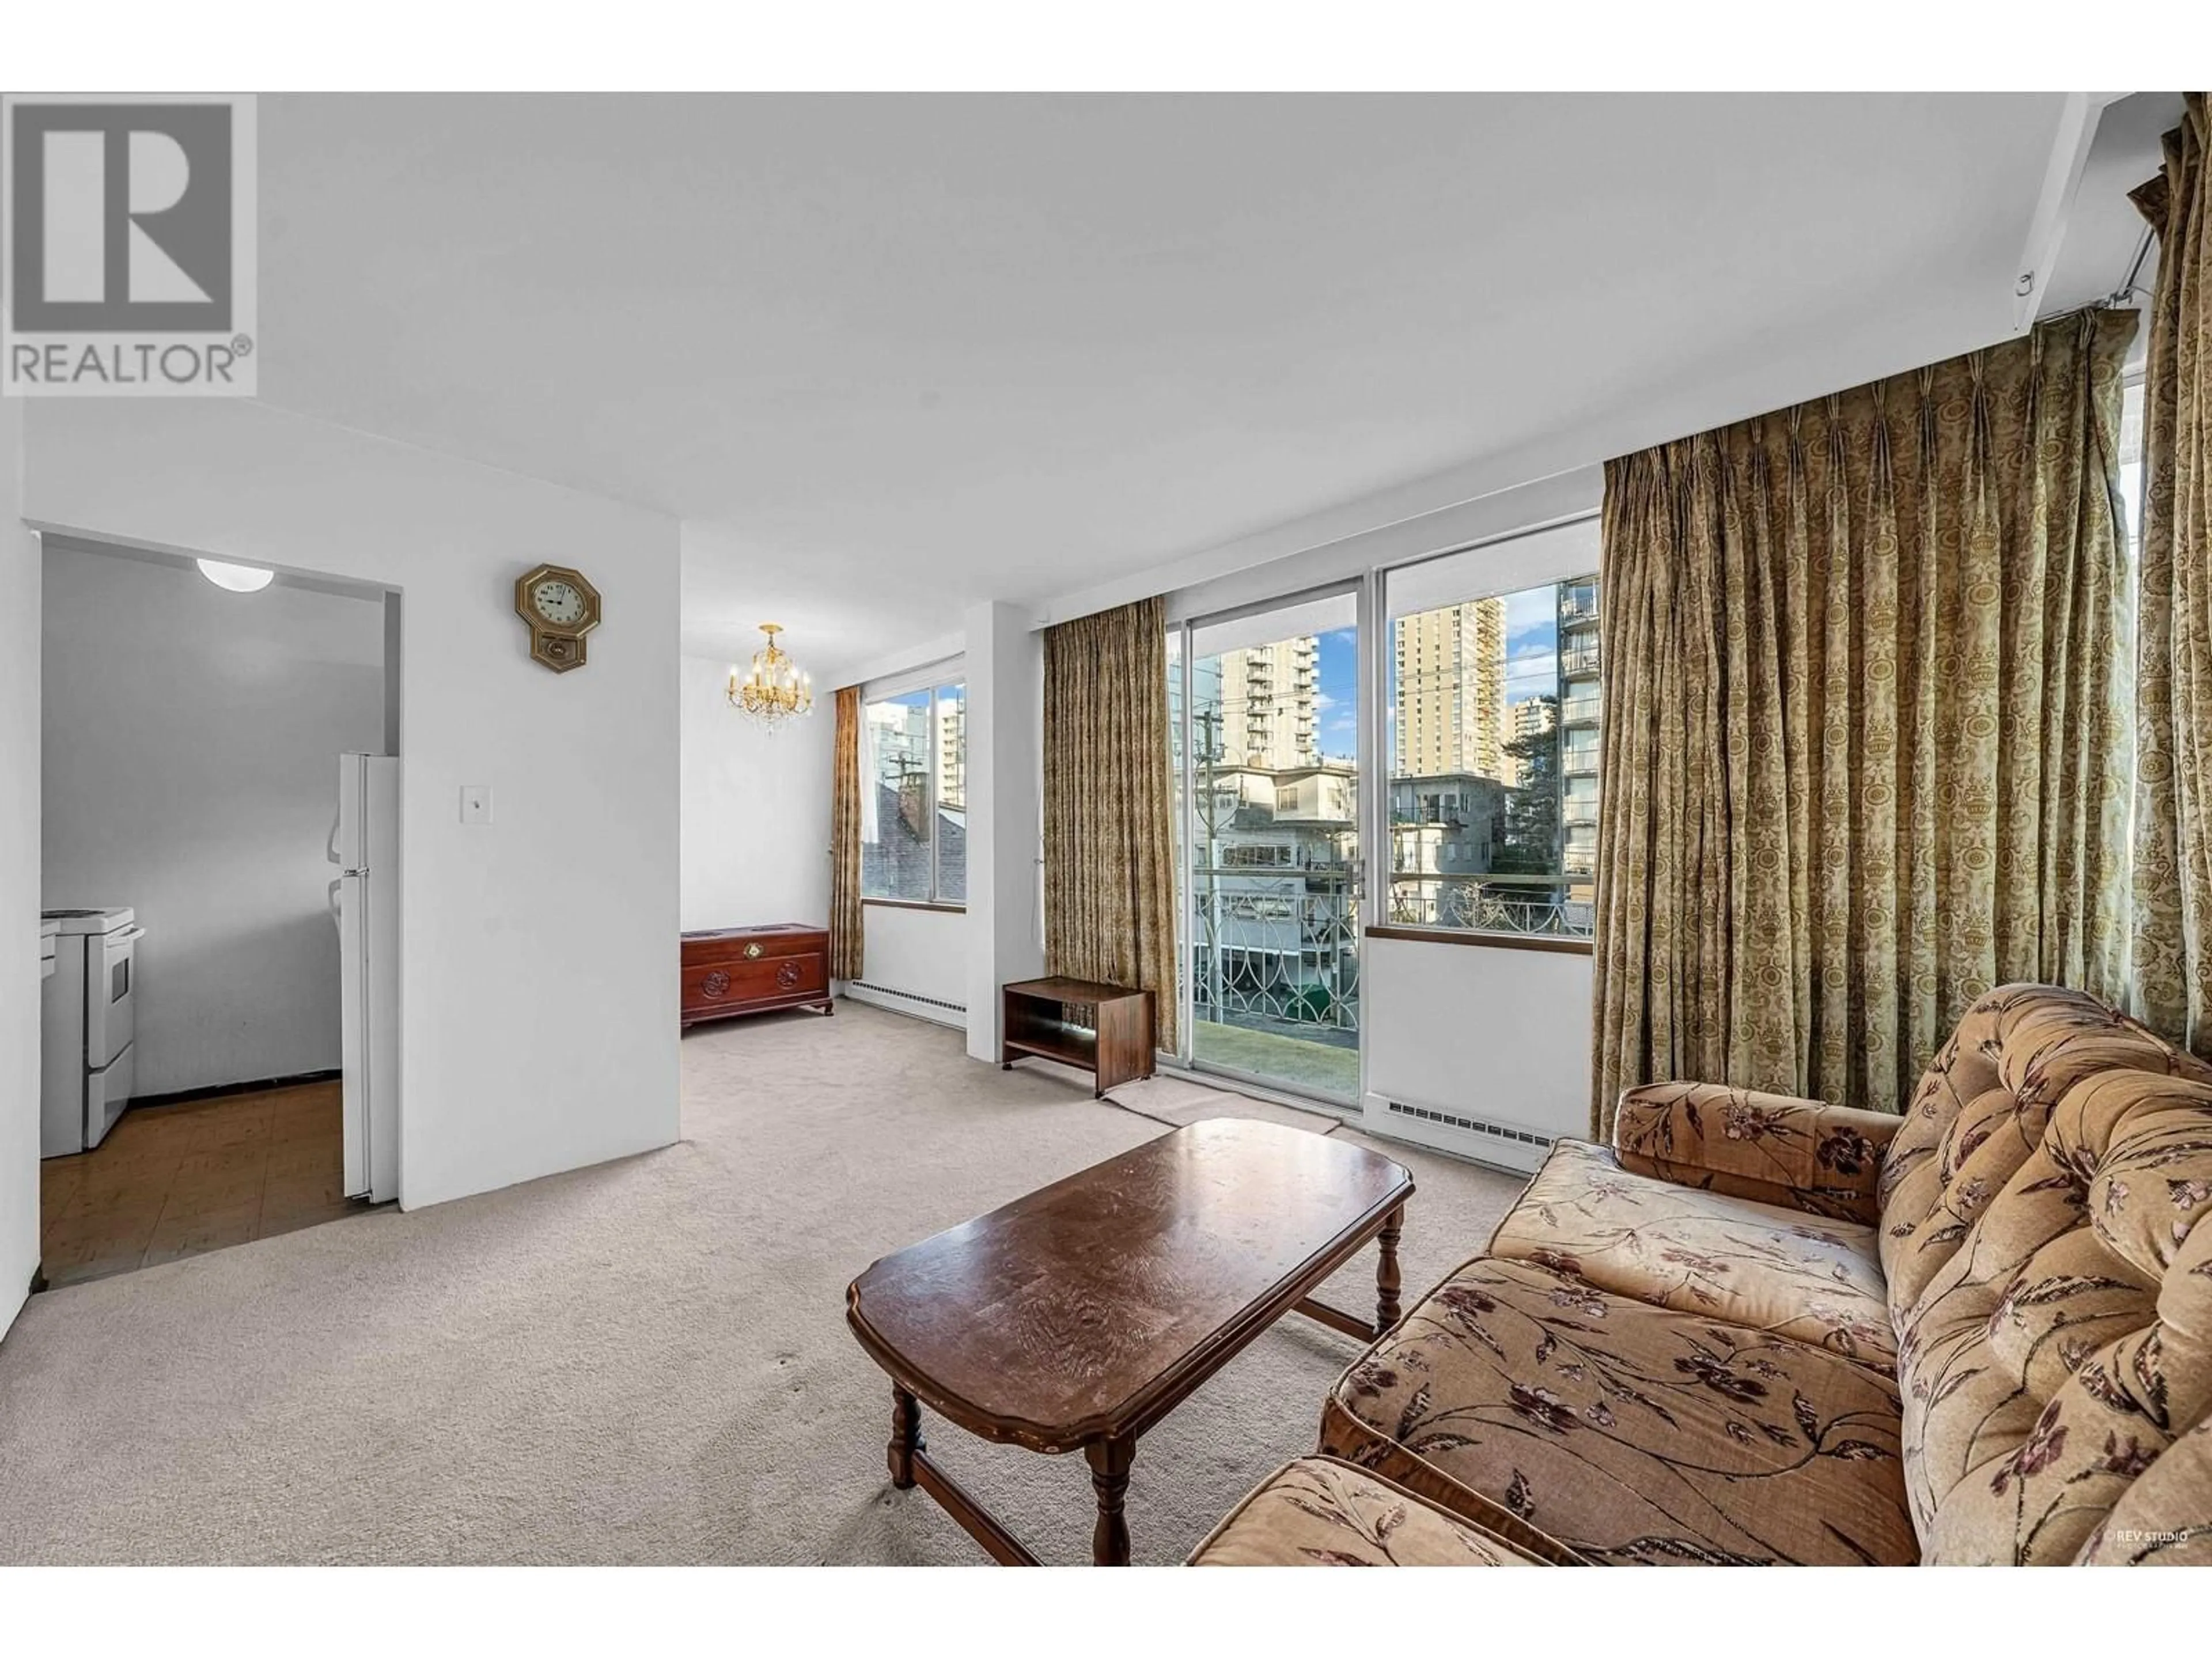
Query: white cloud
[1532,671]
[1531,607]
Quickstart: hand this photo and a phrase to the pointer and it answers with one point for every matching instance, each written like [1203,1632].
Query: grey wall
[191,738]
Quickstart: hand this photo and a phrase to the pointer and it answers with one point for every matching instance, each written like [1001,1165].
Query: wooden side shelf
[1104,1030]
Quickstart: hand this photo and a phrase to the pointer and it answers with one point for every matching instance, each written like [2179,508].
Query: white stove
[87,1061]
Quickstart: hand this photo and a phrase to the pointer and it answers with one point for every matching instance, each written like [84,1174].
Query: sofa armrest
[1777,1149]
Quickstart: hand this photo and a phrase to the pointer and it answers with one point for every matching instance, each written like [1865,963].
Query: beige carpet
[645,1362]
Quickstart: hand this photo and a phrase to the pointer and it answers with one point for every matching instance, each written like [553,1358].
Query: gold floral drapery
[2173,673]
[1108,805]
[1866,742]
[848,944]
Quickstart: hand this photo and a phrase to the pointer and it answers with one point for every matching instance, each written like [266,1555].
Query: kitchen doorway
[224,982]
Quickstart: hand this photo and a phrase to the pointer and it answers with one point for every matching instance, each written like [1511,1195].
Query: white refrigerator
[365,904]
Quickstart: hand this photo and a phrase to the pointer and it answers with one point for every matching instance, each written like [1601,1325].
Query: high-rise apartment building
[952,749]
[1578,728]
[1532,717]
[1450,711]
[1269,704]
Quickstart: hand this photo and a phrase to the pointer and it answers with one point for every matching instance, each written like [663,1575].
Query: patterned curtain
[1109,813]
[847,943]
[2173,673]
[1866,740]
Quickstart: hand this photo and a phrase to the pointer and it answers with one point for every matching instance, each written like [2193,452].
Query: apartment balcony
[1275,963]
[1291,1057]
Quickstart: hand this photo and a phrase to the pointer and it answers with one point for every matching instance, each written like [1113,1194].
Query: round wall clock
[561,608]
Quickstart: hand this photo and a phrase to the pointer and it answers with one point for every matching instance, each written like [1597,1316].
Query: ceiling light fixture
[237,578]
[776,689]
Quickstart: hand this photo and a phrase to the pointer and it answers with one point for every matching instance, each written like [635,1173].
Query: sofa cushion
[2066,1341]
[1319,1512]
[1628,1431]
[1776,1149]
[1980,1112]
[1702,1252]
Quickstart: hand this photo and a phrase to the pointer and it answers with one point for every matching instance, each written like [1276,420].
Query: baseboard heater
[1507,1145]
[910,1002]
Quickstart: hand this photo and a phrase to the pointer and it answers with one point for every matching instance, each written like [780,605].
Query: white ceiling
[2105,231]
[889,356]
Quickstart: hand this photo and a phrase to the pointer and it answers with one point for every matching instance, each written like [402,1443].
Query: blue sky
[1339,701]
[1532,644]
[1531,669]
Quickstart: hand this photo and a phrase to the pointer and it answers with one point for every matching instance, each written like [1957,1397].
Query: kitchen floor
[177,1181]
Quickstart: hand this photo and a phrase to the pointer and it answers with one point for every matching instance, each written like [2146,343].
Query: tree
[1529,845]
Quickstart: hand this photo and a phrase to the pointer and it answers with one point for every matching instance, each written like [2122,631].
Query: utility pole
[1209,753]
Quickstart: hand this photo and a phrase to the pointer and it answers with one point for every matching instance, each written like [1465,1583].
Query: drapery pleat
[848,944]
[1109,813]
[2173,673]
[1865,745]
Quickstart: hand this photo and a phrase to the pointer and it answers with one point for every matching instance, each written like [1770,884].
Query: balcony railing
[1490,904]
[1271,950]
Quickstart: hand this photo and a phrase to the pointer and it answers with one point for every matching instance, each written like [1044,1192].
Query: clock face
[557,602]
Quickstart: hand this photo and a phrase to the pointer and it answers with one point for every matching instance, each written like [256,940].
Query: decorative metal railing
[1275,950]
[1492,905]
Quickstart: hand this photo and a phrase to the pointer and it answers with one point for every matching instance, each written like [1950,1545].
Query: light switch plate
[476,803]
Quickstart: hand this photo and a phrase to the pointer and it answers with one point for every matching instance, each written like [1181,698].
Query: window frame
[945,678]
[1387,655]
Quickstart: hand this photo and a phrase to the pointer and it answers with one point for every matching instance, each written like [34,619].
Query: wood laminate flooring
[178,1181]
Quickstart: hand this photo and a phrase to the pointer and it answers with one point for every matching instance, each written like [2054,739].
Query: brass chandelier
[776,688]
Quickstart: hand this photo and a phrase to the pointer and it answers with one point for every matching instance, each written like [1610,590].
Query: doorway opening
[218,1022]
[1265,707]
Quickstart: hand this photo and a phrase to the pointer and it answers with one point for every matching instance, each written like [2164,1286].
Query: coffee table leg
[906,1437]
[1386,1271]
[1109,1479]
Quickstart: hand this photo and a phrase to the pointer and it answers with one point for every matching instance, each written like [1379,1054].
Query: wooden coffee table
[1082,1314]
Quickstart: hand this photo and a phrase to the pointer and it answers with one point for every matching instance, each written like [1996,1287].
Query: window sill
[917,904]
[1556,944]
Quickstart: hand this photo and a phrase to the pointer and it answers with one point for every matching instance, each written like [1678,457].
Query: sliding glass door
[1265,707]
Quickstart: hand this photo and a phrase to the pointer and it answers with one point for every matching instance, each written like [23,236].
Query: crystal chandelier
[776,689]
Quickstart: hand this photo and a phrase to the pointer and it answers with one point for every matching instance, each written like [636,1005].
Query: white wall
[538,977]
[755,823]
[191,744]
[921,953]
[19,878]
[1005,938]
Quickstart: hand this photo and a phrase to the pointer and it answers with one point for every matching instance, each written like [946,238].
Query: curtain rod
[2126,289]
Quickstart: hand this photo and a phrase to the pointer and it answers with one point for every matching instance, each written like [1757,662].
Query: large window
[914,821]
[1493,729]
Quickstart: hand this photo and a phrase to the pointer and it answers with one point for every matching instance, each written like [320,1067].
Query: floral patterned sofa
[1759,1329]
